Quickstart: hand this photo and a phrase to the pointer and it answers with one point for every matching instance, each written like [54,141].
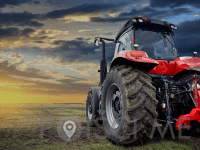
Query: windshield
[157,45]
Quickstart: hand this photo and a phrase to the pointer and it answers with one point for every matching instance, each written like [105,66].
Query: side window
[125,41]
[116,48]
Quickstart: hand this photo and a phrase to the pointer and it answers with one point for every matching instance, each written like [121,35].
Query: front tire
[128,105]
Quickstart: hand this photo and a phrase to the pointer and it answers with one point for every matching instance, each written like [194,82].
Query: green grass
[65,111]
[27,137]
[167,146]
[103,145]
[4,144]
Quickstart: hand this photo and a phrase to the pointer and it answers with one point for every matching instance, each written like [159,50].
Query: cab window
[125,41]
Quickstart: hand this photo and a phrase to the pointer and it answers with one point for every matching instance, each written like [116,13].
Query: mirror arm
[99,38]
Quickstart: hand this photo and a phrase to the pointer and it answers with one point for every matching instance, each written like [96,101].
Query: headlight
[134,20]
[198,86]
[140,20]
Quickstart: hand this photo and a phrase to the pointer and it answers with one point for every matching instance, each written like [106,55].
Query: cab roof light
[173,27]
[140,20]
[134,20]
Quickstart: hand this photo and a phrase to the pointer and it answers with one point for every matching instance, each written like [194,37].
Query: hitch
[195,113]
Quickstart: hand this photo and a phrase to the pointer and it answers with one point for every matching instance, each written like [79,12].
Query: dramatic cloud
[84,9]
[39,80]
[72,50]
[174,3]
[145,12]
[14,32]
[53,40]
[3,3]
[188,36]
[76,13]
[79,50]
[11,38]
[19,19]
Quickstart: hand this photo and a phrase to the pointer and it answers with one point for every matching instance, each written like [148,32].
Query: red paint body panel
[144,18]
[185,119]
[186,63]
[163,68]
[171,68]
[137,56]
[132,39]
[175,66]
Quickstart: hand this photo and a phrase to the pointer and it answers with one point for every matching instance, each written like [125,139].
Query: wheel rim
[90,109]
[114,106]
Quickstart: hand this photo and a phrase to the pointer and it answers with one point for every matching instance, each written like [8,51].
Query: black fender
[96,97]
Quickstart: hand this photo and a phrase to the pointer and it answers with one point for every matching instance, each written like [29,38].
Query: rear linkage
[195,113]
[169,91]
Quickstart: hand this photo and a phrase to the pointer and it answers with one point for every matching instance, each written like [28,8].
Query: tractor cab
[153,37]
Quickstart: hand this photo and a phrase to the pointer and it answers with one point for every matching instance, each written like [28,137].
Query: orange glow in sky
[23,98]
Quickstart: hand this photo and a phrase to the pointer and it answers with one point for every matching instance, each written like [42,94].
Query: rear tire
[90,111]
[128,105]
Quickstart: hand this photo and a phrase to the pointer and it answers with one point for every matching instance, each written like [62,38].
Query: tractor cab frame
[154,37]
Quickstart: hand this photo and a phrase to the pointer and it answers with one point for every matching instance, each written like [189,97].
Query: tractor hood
[176,66]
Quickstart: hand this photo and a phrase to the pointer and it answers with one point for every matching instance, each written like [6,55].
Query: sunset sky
[46,46]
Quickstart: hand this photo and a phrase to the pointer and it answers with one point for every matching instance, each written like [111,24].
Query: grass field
[20,128]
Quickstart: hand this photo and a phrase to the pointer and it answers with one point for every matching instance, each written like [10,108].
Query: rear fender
[138,63]
[186,63]
[96,98]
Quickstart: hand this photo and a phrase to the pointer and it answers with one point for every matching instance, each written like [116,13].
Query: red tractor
[147,83]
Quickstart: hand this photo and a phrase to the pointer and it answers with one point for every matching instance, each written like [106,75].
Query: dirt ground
[20,128]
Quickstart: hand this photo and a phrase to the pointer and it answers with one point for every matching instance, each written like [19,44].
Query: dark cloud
[14,32]
[109,19]
[84,9]
[29,19]
[68,3]
[39,76]
[189,27]
[11,69]
[73,50]
[145,12]
[47,37]
[3,3]
[188,36]
[80,50]
[174,3]
[36,2]
[19,19]
[39,42]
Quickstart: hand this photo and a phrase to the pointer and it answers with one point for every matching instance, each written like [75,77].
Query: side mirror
[96,42]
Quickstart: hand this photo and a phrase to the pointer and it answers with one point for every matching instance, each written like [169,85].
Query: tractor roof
[162,25]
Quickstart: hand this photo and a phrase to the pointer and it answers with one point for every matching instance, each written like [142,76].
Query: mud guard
[137,63]
[195,113]
[95,93]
